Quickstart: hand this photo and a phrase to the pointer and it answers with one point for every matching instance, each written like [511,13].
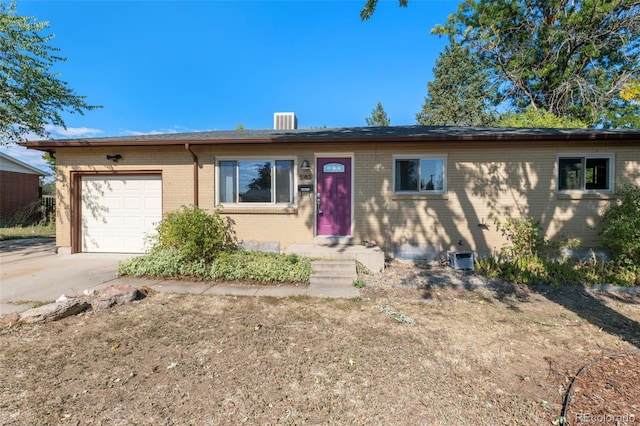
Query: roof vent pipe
[285,121]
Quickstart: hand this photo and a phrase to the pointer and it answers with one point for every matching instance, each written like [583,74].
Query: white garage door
[118,212]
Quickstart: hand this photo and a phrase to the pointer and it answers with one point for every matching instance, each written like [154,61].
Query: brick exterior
[485,181]
[17,192]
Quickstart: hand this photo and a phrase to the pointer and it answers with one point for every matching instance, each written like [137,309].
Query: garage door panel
[133,186]
[114,223]
[118,212]
[132,203]
[109,241]
[153,203]
[108,186]
[153,184]
[133,222]
[115,204]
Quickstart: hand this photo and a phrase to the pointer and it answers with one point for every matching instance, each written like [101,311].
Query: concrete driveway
[31,271]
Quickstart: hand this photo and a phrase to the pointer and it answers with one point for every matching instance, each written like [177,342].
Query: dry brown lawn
[473,357]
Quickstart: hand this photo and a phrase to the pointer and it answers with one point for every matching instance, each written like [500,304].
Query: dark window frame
[238,192]
[585,173]
[404,166]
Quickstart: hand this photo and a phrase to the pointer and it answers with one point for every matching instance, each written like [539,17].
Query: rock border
[65,306]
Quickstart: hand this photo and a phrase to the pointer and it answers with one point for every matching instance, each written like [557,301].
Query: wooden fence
[48,203]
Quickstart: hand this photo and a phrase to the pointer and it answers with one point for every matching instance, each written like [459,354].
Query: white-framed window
[585,173]
[420,174]
[257,181]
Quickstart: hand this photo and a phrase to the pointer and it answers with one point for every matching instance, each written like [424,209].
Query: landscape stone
[11,319]
[54,311]
[114,295]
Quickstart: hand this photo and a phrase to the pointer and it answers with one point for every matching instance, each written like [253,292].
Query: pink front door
[333,210]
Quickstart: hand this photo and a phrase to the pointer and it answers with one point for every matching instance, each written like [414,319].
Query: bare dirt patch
[479,356]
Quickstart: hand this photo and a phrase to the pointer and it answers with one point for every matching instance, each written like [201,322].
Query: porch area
[371,257]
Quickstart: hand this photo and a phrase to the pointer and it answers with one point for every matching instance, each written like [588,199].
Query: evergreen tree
[578,59]
[378,117]
[461,93]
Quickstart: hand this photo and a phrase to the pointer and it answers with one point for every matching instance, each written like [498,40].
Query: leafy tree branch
[31,93]
[566,57]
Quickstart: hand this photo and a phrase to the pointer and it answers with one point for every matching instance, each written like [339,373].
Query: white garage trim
[118,212]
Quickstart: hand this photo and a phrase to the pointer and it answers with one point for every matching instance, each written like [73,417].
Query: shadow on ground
[582,301]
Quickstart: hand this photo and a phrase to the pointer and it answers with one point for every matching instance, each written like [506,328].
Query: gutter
[342,136]
[195,173]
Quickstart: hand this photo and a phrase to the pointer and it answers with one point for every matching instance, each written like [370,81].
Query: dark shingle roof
[348,135]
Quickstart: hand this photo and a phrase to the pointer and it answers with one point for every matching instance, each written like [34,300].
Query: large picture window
[420,174]
[585,173]
[255,181]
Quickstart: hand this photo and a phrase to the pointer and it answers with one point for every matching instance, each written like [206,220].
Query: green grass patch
[533,269]
[529,258]
[21,232]
[33,303]
[241,265]
[358,283]
[193,243]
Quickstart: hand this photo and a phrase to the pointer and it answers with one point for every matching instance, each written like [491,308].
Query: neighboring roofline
[23,164]
[355,135]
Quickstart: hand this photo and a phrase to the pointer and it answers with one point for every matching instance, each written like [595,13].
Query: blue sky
[179,66]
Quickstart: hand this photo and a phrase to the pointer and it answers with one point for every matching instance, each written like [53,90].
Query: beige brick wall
[175,164]
[495,182]
[485,181]
[287,225]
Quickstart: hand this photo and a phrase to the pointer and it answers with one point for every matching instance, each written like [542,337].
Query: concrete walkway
[31,272]
[208,288]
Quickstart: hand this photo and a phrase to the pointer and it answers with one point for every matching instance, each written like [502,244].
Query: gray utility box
[460,260]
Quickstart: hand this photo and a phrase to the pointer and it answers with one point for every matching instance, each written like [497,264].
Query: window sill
[408,197]
[259,209]
[585,196]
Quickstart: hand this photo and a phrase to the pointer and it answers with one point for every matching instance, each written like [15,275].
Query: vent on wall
[285,121]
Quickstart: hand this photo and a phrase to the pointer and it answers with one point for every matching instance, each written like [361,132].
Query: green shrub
[358,283]
[533,269]
[157,263]
[229,265]
[261,267]
[527,258]
[525,240]
[195,233]
[523,236]
[488,266]
[626,276]
[621,226]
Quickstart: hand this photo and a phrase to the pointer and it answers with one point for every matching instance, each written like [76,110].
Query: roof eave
[34,170]
[51,145]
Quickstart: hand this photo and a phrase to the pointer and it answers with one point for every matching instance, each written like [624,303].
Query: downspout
[195,173]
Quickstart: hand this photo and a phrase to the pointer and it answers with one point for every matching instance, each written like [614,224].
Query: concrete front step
[333,278]
[327,280]
[322,267]
[371,257]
